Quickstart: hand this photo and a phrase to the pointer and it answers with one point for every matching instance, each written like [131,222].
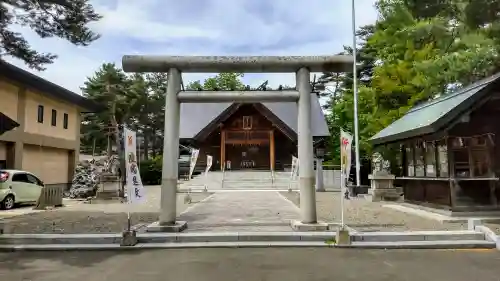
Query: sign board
[135,189]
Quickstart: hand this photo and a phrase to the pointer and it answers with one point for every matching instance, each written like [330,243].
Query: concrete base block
[178,226]
[129,238]
[343,237]
[300,226]
[472,223]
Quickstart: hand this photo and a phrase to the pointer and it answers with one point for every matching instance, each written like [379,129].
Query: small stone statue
[377,162]
[380,165]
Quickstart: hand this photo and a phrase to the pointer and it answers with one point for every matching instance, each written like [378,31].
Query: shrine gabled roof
[432,116]
[196,116]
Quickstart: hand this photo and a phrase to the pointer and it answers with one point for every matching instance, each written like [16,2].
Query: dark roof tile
[196,116]
[429,117]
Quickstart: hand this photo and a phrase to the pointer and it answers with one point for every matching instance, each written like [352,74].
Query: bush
[151,171]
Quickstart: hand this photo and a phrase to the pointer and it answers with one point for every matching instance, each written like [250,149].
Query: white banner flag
[294,172]
[135,189]
[209,164]
[345,157]
[207,169]
[193,160]
[345,169]
[295,167]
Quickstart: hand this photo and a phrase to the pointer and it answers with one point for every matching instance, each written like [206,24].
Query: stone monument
[382,182]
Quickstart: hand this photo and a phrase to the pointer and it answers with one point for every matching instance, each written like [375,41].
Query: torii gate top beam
[250,64]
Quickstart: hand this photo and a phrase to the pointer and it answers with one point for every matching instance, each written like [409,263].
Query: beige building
[47,141]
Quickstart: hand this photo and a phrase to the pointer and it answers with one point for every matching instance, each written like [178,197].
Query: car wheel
[8,202]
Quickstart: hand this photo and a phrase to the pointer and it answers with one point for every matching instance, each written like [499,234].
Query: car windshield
[184,158]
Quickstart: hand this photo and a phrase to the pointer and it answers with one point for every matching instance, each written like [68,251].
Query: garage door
[3,150]
[50,164]
[3,155]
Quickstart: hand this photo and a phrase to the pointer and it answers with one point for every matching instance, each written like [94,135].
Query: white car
[18,187]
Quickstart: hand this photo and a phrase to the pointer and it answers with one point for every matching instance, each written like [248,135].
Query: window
[53,121]
[442,159]
[65,120]
[419,160]
[33,180]
[430,160]
[20,177]
[40,114]
[480,162]
[460,150]
[480,156]
[247,122]
[409,160]
[471,156]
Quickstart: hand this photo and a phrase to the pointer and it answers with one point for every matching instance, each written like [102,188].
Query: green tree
[221,82]
[109,86]
[66,19]
[413,53]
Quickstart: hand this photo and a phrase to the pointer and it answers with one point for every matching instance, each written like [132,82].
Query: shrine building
[260,136]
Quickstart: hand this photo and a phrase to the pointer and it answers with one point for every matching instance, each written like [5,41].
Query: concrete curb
[457,244]
[418,236]
[252,244]
[489,234]
[103,239]
[371,240]
[106,247]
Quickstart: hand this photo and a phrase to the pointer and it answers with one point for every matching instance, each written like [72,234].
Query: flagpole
[355,90]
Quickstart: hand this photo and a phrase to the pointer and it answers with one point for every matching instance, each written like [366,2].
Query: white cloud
[206,27]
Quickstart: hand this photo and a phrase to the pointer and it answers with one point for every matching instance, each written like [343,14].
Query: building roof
[430,117]
[196,116]
[48,88]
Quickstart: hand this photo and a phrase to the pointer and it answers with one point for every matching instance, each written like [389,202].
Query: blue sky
[206,27]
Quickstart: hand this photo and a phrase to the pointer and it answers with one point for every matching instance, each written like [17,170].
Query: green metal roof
[431,116]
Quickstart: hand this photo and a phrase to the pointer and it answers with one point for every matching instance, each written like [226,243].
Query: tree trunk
[119,148]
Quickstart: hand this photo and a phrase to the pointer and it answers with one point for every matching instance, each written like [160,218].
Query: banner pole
[342,190]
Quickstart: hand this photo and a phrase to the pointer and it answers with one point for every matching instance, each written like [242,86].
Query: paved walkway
[241,211]
[252,264]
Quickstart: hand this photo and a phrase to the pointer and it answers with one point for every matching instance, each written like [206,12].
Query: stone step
[275,186]
[257,180]
[256,183]
[417,236]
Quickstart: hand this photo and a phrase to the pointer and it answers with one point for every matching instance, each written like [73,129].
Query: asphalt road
[253,264]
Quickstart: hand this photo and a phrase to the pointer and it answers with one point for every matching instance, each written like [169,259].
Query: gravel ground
[78,217]
[363,215]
